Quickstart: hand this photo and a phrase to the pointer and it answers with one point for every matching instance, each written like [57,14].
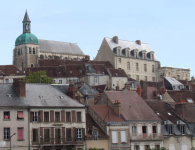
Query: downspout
[28,128]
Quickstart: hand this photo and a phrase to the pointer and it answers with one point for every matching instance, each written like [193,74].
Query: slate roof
[91,124]
[10,70]
[51,97]
[26,17]
[129,44]
[85,88]
[59,47]
[117,72]
[100,88]
[100,69]
[61,87]
[102,111]
[133,107]
[173,82]
[163,109]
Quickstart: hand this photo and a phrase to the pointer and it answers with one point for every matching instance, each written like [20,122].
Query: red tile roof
[133,107]
[106,113]
[74,70]
[10,70]
[117,72]
[131,79]
[100,68]
[106,64]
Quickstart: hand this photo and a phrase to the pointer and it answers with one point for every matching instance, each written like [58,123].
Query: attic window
[189,100]
[9,95]
[17,71]
[169,113]
[70,71]
[41,97]
[61,97]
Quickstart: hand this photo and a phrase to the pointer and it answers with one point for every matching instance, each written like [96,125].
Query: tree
[38,77]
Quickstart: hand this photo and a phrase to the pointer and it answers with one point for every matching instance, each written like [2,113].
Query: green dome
[26,38]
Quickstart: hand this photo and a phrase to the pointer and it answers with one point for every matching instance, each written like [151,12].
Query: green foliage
[162,148]
[38,77]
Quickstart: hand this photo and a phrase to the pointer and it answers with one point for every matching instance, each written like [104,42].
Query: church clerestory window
[33,50]
[29,50]
[18,51]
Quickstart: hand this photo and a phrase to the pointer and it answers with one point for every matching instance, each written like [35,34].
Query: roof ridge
[57,41]
[126,40]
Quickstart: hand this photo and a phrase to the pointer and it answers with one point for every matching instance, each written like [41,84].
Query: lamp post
[10,139]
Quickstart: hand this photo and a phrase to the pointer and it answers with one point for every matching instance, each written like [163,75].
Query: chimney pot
[115,38]
[138,42]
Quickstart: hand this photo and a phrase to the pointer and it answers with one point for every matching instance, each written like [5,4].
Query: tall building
[136,58]
[29,49]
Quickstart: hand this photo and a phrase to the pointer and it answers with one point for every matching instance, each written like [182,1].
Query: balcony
[146,136]
[60,141]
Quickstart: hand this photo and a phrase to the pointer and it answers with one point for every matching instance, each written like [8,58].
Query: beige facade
[178,73]
[9,79]
[99,144]
[94,80]
[12,124]
[135,66]
[120,81]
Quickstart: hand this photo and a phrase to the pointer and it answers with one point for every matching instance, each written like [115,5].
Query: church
[29,49]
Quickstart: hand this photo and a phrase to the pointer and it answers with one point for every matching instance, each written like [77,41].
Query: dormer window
[124,52]
[140,54]
[95,135]
[170,129]
[115,50]
[132,53]
[182,129]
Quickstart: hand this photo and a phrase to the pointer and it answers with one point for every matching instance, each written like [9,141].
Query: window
[6,133]
[134,130]
[136,147]
[54,81]
[32,65]
[57,136]
[78,116]
[79,134]
[60,81]
[189,100]
[145,67]
[18,51]
[123,137]
[20,134]
[145,78]
[35,135]
[46,116]
[152,68]
[154,129]
[35,116]
[147,147]
[68,134]
[178,77]
[119,60]
[137,66]
[6,80]
[153,79]
[96,80]
[33,50]
[20,115]
[144,129]
[57,116]
[46,135]
[29,50]
[137,77]
[95,135]
[68,117]
[6,115]
[128,65]
[182,129]
[170,129]
[114,137]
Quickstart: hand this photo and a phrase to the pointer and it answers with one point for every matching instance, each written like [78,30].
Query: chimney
[163,89]
[71,90]
[138,42]
[180,109]
[139,91]
[87,58]
[117,108]
[22,66]
[192,78]
[19,86]
[117,88]
[115,38]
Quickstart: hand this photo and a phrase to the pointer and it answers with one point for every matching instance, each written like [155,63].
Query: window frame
[112,135]
[18,117]
[34,116]
[80,116]
[79,134]
[34,51]
[128,66]
[37,136]
[95,135]
[7,135]
[6,115]
[60,81]
[22,134]
[46,119]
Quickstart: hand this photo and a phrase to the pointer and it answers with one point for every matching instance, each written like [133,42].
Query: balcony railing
[146,136]
[60,140]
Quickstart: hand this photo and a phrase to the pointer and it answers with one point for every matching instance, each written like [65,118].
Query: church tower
[26,51]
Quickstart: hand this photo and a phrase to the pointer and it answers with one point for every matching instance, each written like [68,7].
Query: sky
[168,26]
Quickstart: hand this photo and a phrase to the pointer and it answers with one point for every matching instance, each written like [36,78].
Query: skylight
[169,114]
[190,100]
[157,113]
[9,95]
[61,97]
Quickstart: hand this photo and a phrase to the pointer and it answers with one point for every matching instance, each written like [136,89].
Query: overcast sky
[167,25]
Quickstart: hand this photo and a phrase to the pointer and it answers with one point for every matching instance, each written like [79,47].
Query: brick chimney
[163,89]
[180,109]
[192,78]
[139,91]
[71,90]
[19,86]
[138,42]
[115,38]
[117,88]
[127,86]
[87,58]
[117,108]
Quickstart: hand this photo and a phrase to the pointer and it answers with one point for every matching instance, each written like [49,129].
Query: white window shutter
[123,136]
[114,137]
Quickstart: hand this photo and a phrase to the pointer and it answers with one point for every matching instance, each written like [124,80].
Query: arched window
[29,26]
[41,57]
[30,50]
[33,50]
[26,27]
[18,51]
[32,65]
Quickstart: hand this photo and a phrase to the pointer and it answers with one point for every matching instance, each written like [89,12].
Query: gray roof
[26,17]
[86,89]
[178,85]
[129,44]
[89,68]
[59,47]
[164,130]
[61,87]
[50,97]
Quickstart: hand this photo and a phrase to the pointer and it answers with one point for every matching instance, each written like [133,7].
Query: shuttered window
[20,115]
[123,137]
[46,116]
[57,116]
[78,116]
[68,134]
[20,133]
[35,135]
[46,135]
[68,117]
[58,136]
[114,137]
